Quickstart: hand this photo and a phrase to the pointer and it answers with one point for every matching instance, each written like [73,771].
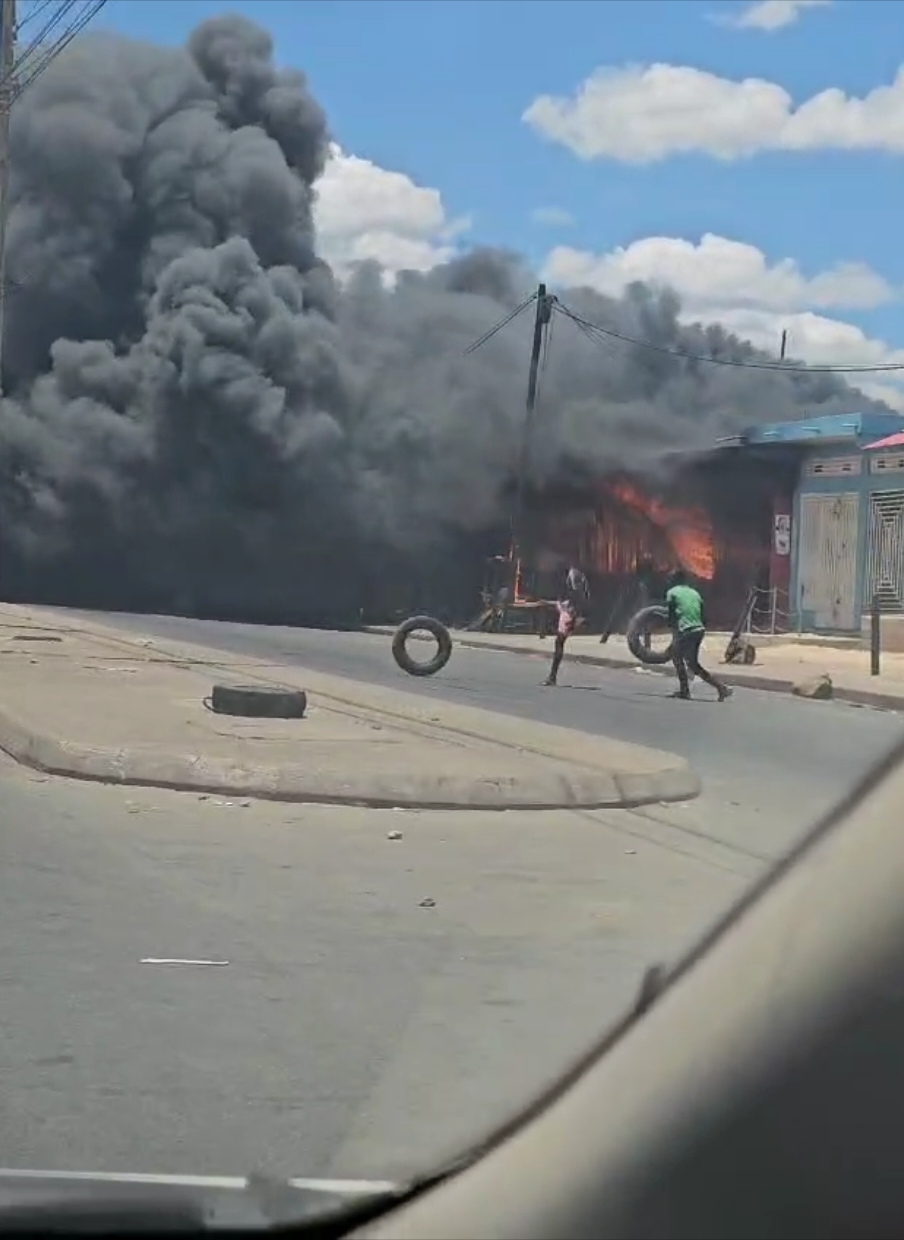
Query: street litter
[161,960]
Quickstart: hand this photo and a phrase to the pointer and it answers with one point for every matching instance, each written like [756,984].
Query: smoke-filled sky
[197,406]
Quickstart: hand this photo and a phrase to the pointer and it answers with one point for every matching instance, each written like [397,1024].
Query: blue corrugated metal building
[847,530]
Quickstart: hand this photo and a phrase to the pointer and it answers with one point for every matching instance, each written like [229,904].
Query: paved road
[356,1031]
[353,1031]
[770,763]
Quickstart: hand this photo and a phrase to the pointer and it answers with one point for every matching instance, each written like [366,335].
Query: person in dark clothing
[577,589]
[688,623]
[647,590]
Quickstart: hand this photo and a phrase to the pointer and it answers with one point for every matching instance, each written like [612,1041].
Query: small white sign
[782,533]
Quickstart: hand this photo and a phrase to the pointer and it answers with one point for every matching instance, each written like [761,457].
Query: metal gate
[885,550]
[827,559]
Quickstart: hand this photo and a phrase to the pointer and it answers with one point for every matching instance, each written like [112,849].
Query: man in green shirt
[688,623]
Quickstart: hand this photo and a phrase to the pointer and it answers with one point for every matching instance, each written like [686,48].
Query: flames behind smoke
[688,532]
[199,416]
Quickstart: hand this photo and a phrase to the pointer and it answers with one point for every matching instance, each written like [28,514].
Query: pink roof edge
[890,441]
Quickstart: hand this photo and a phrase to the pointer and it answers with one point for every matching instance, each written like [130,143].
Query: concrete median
[100,705]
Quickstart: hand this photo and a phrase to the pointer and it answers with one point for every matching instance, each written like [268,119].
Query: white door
[827,559]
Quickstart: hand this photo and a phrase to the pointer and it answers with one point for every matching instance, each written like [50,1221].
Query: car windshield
[451,510]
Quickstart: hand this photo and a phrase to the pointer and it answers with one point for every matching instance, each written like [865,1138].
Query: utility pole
[7,65]
[784,344]
[541,322]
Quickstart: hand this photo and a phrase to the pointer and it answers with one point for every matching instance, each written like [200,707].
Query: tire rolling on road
[648,618]
[422,624]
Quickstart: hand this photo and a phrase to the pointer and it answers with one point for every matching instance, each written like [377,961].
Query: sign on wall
[781,533]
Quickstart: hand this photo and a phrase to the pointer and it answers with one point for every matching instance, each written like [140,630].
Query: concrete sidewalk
[779,666]
[83,700]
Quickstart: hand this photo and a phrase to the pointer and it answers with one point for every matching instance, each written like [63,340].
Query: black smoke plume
[199,417]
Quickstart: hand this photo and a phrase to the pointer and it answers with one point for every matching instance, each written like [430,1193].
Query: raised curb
[293,783]
[769,684]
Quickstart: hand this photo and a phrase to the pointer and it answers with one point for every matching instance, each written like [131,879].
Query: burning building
[714,515]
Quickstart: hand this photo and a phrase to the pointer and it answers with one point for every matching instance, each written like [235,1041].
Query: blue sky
[437,90]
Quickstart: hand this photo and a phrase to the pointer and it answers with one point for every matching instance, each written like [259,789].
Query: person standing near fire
[572,606]
[687,620]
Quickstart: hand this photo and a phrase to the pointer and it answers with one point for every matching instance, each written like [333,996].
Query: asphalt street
[380,1001]
[771,764]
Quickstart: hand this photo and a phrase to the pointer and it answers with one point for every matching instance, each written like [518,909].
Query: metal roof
[831,427]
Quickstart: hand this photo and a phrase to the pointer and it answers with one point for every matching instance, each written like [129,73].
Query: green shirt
[687,605]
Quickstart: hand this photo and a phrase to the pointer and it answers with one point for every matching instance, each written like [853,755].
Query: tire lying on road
[259,701]
[647,619]
[422,624]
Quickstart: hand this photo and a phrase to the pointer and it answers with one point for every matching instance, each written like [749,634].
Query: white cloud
[729,282]
[555,217]
[367,213]
[819,341]
[643,114]
[773,14]
[718,272]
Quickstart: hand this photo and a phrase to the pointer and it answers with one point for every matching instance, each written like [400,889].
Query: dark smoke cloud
[198,416]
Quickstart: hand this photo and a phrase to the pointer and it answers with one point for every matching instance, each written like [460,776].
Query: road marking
[160,960]
[197,1181]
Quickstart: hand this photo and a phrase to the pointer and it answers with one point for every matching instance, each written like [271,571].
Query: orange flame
[515,560]
[688,531]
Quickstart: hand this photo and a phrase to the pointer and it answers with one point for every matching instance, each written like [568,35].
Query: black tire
[422,624]
[259,701]
[648,618]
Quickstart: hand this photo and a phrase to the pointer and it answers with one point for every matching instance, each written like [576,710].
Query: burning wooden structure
[714,516]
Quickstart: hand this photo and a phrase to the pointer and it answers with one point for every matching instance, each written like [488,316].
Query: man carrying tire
[688,623]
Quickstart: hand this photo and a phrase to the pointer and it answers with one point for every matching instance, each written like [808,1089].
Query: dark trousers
[557,655]
[686,657]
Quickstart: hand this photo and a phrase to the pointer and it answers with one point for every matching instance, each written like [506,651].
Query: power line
[497,327]
[36,9]
[66,21]
[609,345]
[600,334]
[61,23]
